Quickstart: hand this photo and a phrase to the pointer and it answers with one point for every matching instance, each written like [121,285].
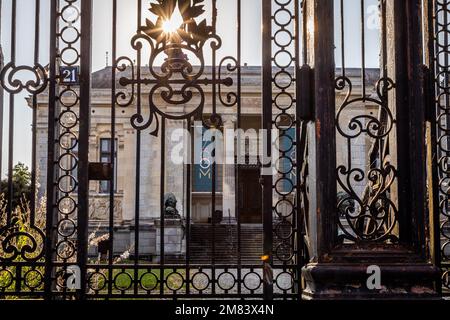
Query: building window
[105,157]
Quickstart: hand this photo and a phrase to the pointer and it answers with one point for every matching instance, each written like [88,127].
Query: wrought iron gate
[112,213]
[438,57]
[50,256]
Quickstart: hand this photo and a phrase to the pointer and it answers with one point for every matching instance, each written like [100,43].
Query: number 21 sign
[69,75]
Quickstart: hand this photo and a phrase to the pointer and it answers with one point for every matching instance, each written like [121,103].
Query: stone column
[127,161]
[229,179]
[174,170]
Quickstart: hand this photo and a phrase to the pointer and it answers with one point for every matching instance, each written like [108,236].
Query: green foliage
[21,183]
[18,235]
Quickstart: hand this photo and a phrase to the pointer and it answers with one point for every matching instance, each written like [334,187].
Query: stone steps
[226,244]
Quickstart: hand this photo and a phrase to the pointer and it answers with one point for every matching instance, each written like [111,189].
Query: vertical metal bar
[1,99]
[213,210]
[305,31]
[162,213]
[51,170]
[214,164]
[138,158]
[431,42]
[213,69]
[363,49]
[343,37]
[325,130]
[399,74]
[11,116]
[188,215]
[113,148]
[83,160]
[34,117]
[446,74]
[238,125]
[267,127]
[384,38]
[137,203]
[417,123]
[84,126]
[299,142]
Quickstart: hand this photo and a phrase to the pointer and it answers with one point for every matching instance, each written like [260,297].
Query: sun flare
[174,23]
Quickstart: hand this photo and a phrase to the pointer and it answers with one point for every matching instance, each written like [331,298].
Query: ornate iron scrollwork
[371,216]
[441,26]
[36,83]
[176,81]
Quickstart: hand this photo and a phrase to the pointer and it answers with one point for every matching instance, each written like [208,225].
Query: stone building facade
[175,174]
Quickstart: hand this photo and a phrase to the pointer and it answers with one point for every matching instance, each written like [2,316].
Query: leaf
[156,9]
[151,30]
[196,11]
[186,36]
[164,9]
[202,29]
[192,27]
[184,6]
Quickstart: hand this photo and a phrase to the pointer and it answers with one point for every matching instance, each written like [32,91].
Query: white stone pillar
[229,179]
[146,189]
[175,170]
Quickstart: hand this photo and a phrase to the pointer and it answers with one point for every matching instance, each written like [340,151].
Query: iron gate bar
[11,115]
[412,177]
[437,24]
[51,217]
[213,167]
[188,216]
[2,95]
[138,165]
[324,68]
[402,125]
[267,180]
[34,118]
[113,147]
[303,103]
[162,188]
[429,54]
[84,129]
[429,32]
[237,166]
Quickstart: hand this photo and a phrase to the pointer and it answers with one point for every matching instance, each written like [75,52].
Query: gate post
[68,187]
[387,226]
[51,216]
[267,180]
[83,158]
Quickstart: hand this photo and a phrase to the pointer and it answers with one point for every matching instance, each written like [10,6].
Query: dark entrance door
[250,206]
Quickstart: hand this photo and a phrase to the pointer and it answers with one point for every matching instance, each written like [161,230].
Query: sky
[102,35]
